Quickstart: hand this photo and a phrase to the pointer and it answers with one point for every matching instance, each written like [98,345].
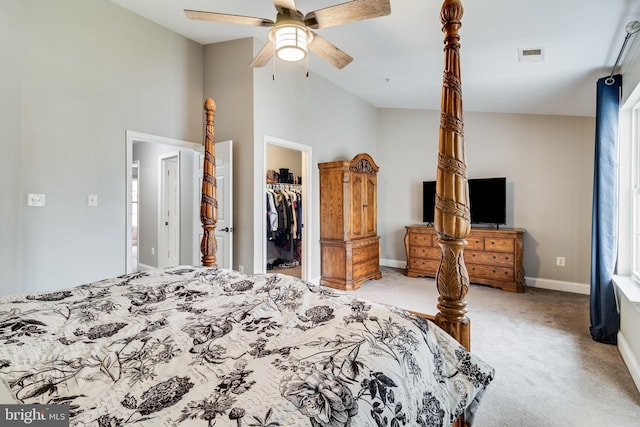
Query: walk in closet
[284,207]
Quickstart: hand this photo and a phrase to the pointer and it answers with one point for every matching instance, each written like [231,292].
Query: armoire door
[358,201]
[364,213]
[370,211]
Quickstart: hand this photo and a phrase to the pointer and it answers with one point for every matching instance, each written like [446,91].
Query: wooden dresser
[350,246]
[492,257]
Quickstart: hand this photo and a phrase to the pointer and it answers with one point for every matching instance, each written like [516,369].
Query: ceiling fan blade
[227,19]
[356,10]
[284,4]
[327,51]
[263,56]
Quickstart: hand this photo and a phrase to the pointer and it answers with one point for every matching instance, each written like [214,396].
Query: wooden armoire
[349,241]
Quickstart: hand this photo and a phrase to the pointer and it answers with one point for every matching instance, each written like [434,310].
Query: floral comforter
[202,346]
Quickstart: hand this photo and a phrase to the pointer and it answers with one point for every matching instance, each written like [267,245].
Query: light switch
[92,200]
[35,199]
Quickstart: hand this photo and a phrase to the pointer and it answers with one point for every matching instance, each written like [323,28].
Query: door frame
[260,188]
[130,138]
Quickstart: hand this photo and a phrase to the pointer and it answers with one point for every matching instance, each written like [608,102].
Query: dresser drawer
[474,243]
[422,239]
[490,272]
[425,252]
[423,264]
[489,258]
[492,256]
[499,245]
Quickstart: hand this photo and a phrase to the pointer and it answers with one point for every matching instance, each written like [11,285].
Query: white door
[169,227]
[224,194]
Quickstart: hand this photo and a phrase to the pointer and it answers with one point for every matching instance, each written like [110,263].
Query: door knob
[226,229]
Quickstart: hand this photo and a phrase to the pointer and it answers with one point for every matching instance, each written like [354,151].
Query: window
[629,188]
[635,188]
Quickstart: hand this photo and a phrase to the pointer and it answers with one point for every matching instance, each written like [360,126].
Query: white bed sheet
[194,345]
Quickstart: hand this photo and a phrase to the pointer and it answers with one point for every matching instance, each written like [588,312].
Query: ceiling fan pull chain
[307,60]
[273,73]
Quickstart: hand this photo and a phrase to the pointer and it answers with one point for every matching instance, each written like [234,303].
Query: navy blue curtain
[605,319]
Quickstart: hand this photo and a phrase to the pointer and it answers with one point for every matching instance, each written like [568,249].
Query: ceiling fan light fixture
[290,42]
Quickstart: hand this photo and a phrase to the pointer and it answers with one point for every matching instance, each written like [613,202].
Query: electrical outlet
[560,261]
[92,200]
[241,268]
[35,199]
[153,251]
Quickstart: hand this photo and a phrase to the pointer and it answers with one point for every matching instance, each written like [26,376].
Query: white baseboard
[534,282]
[393,263]
[558,285]
[629,359]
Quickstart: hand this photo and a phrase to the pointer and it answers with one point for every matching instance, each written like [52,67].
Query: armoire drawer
[366,268]
[363,253]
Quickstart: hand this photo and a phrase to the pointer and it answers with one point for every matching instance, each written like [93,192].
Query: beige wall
[11,188]
[79,74]
[229,81]
[548,162]
[282,157]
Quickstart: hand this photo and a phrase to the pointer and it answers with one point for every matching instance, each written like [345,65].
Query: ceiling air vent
[535,54]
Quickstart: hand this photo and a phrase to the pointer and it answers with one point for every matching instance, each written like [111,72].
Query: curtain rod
[631,28]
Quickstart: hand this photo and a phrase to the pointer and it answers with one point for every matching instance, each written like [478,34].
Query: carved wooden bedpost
[452,217]
[209,202]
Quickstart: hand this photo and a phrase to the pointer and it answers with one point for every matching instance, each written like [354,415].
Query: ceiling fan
[291,34]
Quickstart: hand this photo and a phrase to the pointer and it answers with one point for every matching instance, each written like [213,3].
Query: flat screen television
[487,200]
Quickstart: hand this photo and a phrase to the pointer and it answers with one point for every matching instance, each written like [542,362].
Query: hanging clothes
[284,219]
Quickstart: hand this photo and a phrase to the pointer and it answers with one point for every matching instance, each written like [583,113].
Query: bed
[201,345]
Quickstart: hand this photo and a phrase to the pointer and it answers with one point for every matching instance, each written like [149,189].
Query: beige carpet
[549,372]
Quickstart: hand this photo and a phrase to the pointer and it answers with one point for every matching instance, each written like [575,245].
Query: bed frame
[452,215]
[452,218]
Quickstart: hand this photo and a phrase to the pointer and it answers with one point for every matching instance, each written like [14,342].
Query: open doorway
[143,216]
[286,180]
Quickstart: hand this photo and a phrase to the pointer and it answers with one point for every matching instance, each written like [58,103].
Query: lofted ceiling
[398,58]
